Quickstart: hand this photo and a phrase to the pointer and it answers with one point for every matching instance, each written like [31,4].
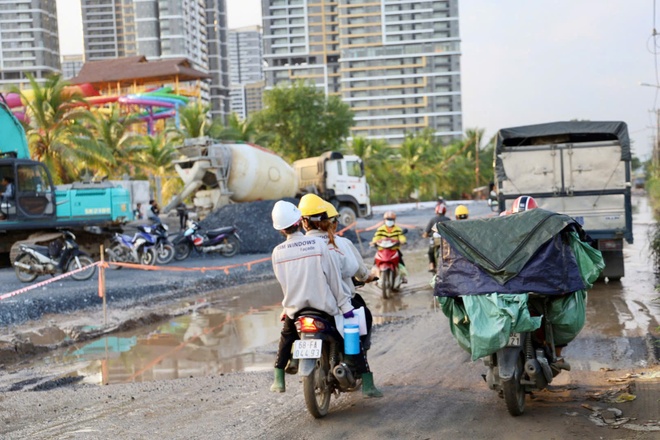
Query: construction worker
[308,276]
[390,230]
[319,221]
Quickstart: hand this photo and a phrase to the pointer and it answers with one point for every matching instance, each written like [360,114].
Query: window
[354,168]
[339,168]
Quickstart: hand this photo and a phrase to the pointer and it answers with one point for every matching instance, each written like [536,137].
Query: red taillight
[307,324]
[198,240]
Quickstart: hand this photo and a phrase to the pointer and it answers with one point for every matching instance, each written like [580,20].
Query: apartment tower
[161,29]
[246,70]
[29,42]
[395,62]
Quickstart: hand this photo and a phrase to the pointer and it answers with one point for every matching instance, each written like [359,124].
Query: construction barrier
[104,265]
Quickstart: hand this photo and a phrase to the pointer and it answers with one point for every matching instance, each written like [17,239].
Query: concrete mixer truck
[216,173]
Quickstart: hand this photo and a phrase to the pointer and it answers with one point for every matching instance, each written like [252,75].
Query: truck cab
[34,194]
[339,179]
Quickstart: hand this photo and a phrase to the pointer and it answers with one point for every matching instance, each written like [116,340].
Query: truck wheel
[347,216]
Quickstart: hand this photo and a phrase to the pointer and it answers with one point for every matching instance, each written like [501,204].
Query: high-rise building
[395,62]
[29,42]
[161,29]
[246,70]
[71,65]
[216,37]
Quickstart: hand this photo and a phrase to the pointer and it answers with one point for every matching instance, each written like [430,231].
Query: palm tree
[114,150]
[240,130]
[157,156]
[53,111]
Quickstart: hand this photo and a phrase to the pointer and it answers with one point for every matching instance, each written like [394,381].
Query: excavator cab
[34,194]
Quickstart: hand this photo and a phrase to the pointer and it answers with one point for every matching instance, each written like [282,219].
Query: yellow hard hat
[331,210]
[461,212]
[311,204]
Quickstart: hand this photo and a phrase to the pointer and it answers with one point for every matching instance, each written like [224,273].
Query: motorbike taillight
[198,240]
[307,324]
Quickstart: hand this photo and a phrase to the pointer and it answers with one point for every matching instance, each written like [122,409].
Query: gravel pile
[253,220]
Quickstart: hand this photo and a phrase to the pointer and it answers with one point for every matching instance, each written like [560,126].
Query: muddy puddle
[224,334]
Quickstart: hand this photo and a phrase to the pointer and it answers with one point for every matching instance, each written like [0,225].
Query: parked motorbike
[324,367]
[528,362]
[164,248]
[62,255]
[139,249]
[387,263]
[224,240]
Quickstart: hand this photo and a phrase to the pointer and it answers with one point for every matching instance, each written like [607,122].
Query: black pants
[289,335]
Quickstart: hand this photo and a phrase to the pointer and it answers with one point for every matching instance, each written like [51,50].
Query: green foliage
[302,121]
[53,112]
[424,166]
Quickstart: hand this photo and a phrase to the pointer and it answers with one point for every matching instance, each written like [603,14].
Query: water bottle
[351,338]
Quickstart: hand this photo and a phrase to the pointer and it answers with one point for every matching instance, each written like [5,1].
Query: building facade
[161,29]
[29,42]
[395,62]
[71,65]
[246,70]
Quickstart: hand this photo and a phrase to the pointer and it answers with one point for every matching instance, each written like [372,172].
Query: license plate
[514,340]
[307,349]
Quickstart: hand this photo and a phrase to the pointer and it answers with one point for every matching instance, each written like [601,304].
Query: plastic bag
[589,260]
[459,324]
[567,315]
[494,317]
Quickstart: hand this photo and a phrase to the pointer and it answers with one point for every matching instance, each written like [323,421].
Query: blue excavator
[34,210]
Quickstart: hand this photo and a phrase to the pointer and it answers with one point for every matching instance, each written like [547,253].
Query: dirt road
[432,389]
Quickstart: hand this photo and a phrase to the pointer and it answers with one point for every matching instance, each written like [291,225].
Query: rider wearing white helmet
[309,278]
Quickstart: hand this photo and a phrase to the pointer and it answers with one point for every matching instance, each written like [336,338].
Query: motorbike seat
[43,250]
[219,231]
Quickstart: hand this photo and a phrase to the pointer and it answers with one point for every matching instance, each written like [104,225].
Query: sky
[528,62]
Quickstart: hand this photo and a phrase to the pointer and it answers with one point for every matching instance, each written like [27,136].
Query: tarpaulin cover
[571,132]
[510,254]
[481,324]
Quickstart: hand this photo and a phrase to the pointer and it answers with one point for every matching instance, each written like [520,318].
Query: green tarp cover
[501,246]
[481,324]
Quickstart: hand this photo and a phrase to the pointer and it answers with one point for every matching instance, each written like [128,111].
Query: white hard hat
[285,214]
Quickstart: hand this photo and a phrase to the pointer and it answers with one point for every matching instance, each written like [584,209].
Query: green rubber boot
[368,387]
[278,384]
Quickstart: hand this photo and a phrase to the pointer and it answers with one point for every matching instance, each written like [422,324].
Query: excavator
[36,209]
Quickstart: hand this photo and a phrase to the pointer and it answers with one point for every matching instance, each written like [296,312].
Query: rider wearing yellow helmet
[393,232]
[461,212]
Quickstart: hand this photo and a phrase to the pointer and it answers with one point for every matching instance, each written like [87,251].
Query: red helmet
[441,209]
[523,203]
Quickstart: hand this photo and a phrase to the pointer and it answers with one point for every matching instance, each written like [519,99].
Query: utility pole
[476,158]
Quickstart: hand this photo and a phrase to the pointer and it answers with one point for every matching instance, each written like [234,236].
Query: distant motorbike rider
[392,231]
[440,211]
[308,276]
[461,212]
[317,223]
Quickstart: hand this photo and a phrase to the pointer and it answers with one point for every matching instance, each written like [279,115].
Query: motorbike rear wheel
[147,256]
[165,253]
[316,387]
[514,392]
[25,275]
[232,245]
[79,262]
[182,250]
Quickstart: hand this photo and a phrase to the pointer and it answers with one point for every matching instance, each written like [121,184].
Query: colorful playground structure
[151,106]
